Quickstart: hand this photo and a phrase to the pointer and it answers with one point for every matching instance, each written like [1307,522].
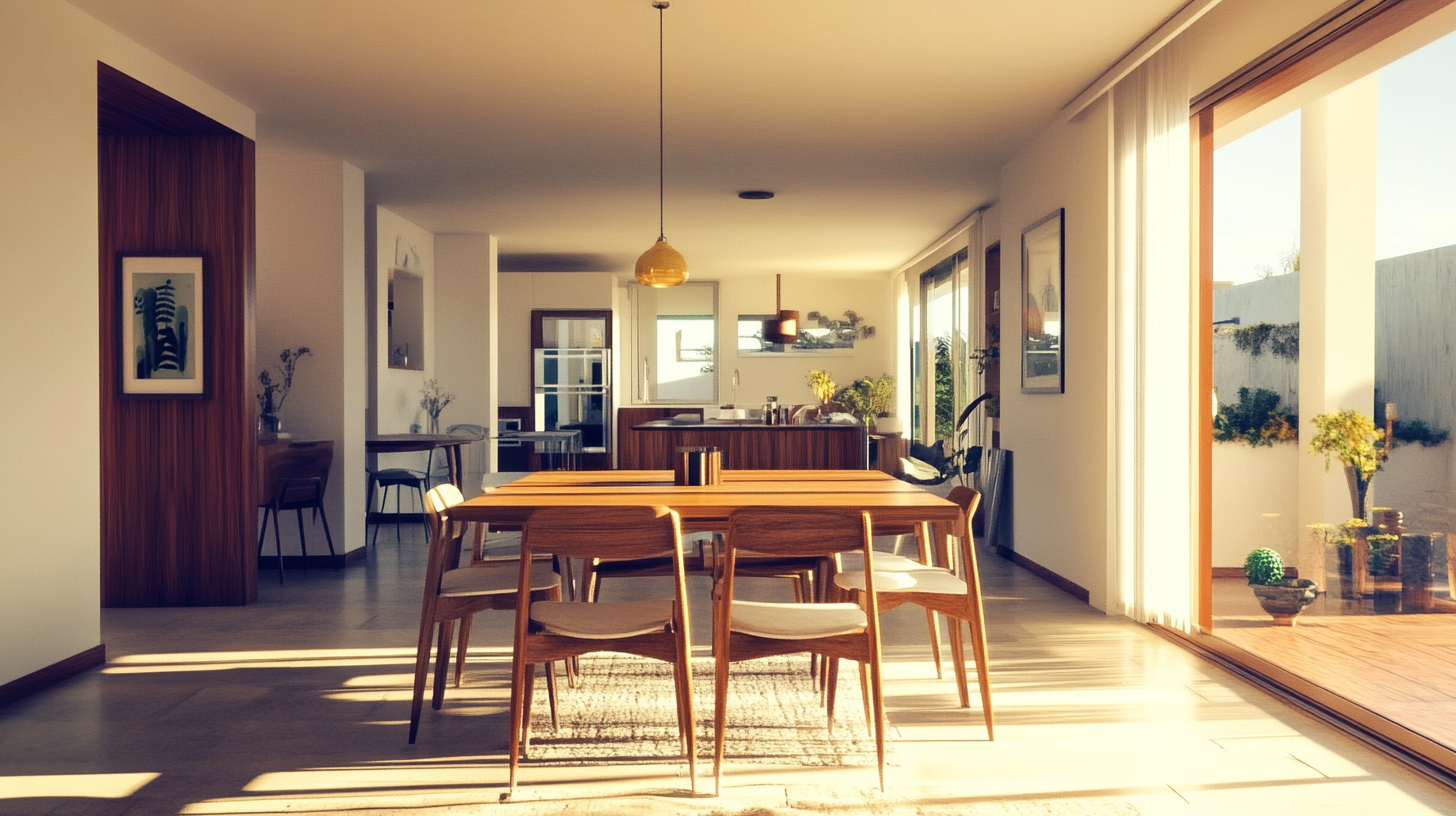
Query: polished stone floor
[299,704]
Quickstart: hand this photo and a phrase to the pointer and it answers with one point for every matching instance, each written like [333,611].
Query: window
[676,343]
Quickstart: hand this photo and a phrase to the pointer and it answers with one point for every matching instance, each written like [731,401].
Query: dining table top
[886,499]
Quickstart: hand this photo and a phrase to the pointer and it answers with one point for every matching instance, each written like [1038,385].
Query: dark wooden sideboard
[750,446]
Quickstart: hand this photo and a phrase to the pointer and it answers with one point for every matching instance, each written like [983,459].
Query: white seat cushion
[494,580]
[602,621]
[797,621]
[933,581]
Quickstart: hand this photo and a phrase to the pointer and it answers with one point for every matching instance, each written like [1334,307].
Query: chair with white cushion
[454,593]
[941,590]
[744,630]
[553,630]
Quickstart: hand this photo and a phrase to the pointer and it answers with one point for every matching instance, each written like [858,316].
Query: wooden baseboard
[52,674]
[270,562]
[1078,592]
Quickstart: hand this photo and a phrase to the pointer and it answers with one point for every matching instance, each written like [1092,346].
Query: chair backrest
[295,471]
[792,531]
[446,534]
[603,532]
[968,499]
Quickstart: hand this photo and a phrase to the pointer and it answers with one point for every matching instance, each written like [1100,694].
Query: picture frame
[1043,305]
[162,326]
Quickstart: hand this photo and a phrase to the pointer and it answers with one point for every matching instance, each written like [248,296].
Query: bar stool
[398,478]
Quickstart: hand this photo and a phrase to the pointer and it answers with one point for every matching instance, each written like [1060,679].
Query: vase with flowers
[433,401]
[270,400]
[1352,437]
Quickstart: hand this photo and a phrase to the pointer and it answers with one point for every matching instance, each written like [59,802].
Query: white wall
[786,377]
[397,399]
[467,356]
[50,546]
[520,293]
[1060,441]
[310,290]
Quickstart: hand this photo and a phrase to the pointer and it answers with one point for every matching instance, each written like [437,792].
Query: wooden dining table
[889,501]
[409,442]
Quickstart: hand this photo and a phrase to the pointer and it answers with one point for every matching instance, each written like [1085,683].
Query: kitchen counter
[750,445]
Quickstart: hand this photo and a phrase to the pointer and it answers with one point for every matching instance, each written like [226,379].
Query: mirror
[1042,325]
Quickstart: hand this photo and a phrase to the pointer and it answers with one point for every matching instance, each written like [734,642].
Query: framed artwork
[161,343]
[1043,361]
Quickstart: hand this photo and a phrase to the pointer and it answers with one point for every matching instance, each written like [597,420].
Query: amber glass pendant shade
[783,329]
[661,266]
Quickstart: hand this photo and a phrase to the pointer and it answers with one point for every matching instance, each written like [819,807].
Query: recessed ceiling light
[755,195]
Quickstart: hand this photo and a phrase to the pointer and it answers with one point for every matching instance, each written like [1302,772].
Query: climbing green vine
[1281,338]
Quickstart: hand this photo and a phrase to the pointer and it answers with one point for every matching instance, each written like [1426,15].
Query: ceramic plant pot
[1285,601]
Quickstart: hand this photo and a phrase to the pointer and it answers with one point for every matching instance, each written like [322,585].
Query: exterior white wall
[1256,501]
[1415,335]
[310,290]
[50,588]
[1060,441]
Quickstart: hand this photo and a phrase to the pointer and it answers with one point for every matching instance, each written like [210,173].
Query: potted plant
[869,398]
[270,401]
[1353,438]
[1283,598]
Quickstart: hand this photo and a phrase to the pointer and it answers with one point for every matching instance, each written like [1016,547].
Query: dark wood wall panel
[178,514]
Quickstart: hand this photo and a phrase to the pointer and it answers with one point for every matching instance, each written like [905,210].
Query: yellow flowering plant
[822,385]
[1351,437]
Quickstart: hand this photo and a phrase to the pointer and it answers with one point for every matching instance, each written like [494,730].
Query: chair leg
[878,694]
[397,490]
[958,654]
[686,723]
[422,662]
[551,696]
[278,542]
[462,648]
[720,705]
[831,686]
[864,691]
[263,533]
[424,520]
[934,628]
[519,693]
[383,497]
[530,700]
[324,517]
[442,662]
[978,639]
[302,542]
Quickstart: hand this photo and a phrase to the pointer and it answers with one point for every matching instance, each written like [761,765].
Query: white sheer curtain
[1153,524]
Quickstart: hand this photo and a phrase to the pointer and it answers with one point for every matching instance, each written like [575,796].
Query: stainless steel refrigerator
[573,391]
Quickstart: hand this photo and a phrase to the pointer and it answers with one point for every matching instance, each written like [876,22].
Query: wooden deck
[1401,667]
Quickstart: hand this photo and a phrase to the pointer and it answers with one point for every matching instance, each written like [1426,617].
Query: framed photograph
[162,326]
[1043,363]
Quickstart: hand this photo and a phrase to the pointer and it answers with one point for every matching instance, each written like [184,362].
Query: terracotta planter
[1285,601]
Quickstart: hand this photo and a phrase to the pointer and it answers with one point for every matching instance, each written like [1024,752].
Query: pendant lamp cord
[661,131]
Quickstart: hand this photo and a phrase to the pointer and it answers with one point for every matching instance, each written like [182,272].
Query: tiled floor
[299,704]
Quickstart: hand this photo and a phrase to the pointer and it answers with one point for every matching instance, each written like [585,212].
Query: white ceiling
[879,123]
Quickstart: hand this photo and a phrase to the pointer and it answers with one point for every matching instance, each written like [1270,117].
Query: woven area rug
[624,709]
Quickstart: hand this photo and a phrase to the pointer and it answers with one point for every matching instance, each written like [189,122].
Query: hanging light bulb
[661,265]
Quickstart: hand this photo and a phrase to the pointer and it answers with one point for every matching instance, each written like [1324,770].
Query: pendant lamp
[784,328]
[661,265]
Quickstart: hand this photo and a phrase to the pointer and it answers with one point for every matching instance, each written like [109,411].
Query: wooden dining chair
[941,590]
[295,477]
[454,593]
[744,630]
[554,630]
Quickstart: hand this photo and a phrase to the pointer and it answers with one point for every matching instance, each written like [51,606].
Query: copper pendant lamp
[661,265]
[784,328]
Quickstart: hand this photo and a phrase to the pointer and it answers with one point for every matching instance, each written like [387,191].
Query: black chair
[295,477]
[398,478]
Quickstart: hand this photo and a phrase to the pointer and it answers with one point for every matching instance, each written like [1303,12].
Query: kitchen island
[749,445]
